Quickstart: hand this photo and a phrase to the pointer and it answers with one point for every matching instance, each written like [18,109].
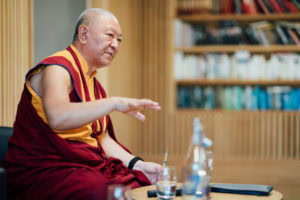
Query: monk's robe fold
[43,163]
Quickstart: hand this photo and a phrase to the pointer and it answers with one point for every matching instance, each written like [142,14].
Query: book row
[185,7]
[232,33]
[239,98]
[239,66]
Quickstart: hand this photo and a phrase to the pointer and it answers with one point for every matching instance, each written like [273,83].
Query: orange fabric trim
[68,56]
[83,63]
[91,87]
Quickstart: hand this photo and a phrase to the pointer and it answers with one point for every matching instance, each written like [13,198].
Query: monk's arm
[113,149]
[63,114]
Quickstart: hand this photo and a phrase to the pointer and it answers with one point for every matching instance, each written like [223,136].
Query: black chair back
[5,133]
[3,194]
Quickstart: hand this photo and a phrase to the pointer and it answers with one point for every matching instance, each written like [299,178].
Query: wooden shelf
[203,82]
[246,18]
[222,111]
[233,48]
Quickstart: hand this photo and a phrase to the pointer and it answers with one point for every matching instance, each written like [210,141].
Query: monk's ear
[82,33]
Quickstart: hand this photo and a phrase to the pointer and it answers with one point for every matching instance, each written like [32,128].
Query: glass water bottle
[194,171]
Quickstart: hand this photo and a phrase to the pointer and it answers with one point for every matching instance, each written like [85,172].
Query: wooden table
[141,194]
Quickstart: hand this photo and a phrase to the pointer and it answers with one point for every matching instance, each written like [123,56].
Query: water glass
[166,183]
[206,187]
[119,192]
[209,159]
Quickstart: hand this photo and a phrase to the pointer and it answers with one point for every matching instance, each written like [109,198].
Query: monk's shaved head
[88,17]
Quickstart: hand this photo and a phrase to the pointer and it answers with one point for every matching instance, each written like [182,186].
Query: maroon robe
[42,165]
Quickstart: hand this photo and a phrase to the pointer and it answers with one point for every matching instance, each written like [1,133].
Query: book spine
[297,4]
[291,7]
[281,34]
[266,2]
[241,66]
[237,7]
[294,36]
[238,98]
[262,6]
[275,6]
[282,5]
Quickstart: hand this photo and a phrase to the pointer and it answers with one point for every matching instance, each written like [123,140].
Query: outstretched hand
[133,107]
[150,169]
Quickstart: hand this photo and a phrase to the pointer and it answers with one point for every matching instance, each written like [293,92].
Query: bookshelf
[220,82]
[188,48]
[238,17]
[233,48]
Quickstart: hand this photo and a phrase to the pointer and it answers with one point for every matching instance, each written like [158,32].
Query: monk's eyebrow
[115,31]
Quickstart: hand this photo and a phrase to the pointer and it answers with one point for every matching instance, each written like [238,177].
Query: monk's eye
[110,35]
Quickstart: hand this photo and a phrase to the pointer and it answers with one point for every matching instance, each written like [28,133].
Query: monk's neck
[91,69]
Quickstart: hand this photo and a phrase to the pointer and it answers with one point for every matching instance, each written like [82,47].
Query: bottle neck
[197,132]
[197,137]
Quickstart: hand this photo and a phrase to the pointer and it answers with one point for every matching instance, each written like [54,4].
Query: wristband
[133,161]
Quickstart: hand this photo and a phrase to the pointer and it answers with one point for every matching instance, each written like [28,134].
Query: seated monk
[63,145]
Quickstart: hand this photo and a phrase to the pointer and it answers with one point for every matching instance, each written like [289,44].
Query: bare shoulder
[56,71]
[51,77]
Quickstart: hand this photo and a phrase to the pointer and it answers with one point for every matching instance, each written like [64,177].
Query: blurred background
[234,64]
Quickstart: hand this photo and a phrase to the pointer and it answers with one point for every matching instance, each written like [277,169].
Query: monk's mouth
[111,54]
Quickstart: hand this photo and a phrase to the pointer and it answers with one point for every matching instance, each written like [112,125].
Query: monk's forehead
[105,23]
[99,18]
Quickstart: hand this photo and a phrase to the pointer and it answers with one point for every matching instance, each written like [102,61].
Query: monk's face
[103,40]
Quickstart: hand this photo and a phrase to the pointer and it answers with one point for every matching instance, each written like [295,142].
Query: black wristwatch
[133,161]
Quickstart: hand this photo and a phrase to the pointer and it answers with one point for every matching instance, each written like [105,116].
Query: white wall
[54,25]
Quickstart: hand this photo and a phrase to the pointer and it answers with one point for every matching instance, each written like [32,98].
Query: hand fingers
[149,101]
[148,104]
[130,104]
[137,115]
[153,168]
[153,180]
[142,107]
[152,107]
